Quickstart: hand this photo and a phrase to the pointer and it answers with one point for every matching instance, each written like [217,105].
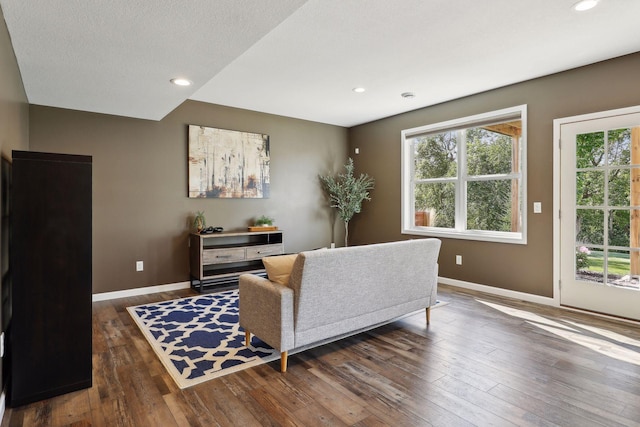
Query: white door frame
[556,183]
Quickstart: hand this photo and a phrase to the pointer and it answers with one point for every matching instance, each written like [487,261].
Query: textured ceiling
[301,58]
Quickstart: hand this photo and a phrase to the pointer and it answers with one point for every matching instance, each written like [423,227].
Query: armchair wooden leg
[428,315]
[247,338]
[283,361]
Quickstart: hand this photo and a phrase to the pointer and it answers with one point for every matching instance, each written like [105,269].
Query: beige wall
[140,205]
[14,125]
[603,86]
[141,211]
[14,110]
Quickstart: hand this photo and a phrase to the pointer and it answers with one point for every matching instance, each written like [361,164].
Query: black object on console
[211,230]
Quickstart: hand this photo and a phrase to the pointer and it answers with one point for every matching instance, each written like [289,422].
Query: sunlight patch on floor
[597,344]
[526,315]
[611,335]
[605,342]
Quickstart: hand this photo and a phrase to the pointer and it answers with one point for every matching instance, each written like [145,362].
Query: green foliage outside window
[488,202]
[582,258]
[591,159]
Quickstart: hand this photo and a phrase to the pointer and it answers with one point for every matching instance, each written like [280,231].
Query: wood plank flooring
[482,361]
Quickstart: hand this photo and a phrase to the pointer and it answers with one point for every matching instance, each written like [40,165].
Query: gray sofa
[334,292]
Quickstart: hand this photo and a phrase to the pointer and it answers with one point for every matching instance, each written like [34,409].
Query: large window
[465,178]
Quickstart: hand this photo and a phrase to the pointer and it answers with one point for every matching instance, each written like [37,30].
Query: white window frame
[461,180]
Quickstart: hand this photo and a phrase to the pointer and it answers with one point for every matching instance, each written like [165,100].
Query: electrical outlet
[139,266]
[459,259]
[537,207]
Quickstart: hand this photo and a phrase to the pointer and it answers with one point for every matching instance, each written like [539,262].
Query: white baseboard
[140,291]
[499,291]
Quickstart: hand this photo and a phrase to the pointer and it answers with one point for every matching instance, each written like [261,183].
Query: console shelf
[220,258]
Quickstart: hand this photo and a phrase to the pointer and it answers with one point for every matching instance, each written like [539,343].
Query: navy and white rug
[199,338]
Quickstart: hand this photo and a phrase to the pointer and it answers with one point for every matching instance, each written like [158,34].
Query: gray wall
[140,205]
[599,87]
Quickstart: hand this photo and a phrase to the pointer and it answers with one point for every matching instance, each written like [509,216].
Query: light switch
[537,207]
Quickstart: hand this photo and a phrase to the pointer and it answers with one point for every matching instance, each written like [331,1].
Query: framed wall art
[228,164]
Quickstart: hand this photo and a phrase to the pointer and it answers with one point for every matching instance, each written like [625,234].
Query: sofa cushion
[279,267]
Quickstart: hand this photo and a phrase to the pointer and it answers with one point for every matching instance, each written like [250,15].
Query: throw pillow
[279,267]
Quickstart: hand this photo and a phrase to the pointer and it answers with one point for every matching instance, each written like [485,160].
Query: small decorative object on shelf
[263,223]
[210,230]
[199,222]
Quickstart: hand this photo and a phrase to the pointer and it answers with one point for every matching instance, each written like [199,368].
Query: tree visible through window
[465,178]
[607,201]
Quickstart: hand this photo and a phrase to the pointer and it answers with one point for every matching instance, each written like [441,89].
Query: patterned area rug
[199,338]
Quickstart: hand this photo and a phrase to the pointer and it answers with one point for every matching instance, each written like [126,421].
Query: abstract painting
[228,164]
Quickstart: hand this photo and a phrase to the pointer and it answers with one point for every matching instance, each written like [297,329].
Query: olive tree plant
[346,193]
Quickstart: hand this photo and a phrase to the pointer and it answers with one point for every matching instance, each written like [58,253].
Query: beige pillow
[279,267]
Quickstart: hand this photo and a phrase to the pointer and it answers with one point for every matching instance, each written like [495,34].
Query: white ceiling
[301,58]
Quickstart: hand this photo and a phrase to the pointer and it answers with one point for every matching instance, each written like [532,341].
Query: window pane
[488,152]
[590,188]
[437,200]
[436,156]
[620,228]
[489,206]
[619,269]
[590,226]
[589,264]
[467,175]
[619,187]
[590,150]
[619,221]
[619,143]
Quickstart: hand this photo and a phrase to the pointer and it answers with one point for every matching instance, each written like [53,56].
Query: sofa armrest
[266,310]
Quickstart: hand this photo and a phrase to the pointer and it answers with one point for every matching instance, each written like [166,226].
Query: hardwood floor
[482,361]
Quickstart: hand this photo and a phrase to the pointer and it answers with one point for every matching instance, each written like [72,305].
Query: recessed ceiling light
[583,5]
[181,82]
[358,89]
[407,95]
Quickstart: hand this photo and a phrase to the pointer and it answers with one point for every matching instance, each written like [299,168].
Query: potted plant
[199,221]
[264,221]
[346,193]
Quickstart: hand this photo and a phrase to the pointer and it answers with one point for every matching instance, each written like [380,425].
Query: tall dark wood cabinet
[50,328]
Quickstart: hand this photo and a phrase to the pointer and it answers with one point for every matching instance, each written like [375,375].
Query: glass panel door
[600,215]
